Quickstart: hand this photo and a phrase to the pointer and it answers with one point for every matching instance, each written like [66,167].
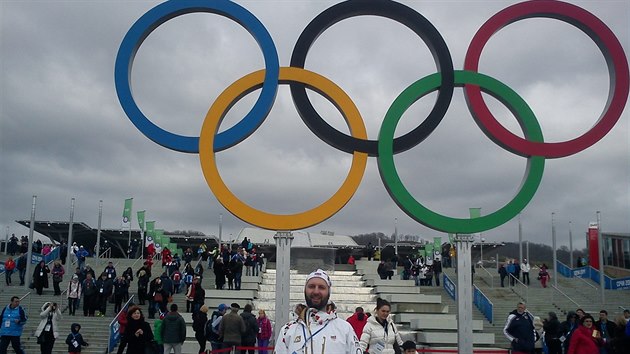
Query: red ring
[597,31]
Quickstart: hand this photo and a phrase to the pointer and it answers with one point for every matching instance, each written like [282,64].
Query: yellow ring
[263,219]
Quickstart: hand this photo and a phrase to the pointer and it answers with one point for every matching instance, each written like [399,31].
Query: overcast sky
[63,133]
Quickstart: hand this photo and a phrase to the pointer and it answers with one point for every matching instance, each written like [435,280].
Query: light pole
[481,257]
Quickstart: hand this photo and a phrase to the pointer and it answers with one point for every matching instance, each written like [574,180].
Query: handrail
[136,261]
[587,283]
[28,294]
[108,251]
[577,306]
[520,282]
[490,274]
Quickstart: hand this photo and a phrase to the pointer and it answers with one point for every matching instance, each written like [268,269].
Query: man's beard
[322,304]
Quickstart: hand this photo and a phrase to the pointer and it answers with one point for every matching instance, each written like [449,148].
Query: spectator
[47,330]
[110,271]
[317,293]
[90,294]
[264,332]
[143,285]
[82,253]
[9,266]
[511,269]
[232,327]
[57,276]
[543,275]
[75,339]
[503,273]
[525,268]
[538,327]
[519,329]
[607,330]
[200,294]
[173,331]
[567,328]
[74,294]
[104,286]
[437,270]
[138,331]
[553,332]
[351,260]
[213,333]
[21,267]
[408,347]
[358,321]
[121,290]
[380,332]
[40,277]
[248,339]
[200,318]
[13,319]
[585,340]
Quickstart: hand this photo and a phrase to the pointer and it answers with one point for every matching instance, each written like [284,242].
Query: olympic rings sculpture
[532,146]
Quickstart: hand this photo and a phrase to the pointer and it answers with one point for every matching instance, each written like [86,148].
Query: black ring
[399,13]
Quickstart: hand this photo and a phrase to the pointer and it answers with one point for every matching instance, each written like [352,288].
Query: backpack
[212,327]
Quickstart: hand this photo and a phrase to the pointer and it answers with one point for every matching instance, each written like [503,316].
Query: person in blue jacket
[13,320]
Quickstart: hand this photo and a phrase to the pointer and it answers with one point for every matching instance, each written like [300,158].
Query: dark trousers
[8,276]
[102,303]
[201,339]
[89,305]
[15,343]
[72,305]
[248,351]
[437,279]
[526,278]
[49,343]
[56,287]
[237,280]
[22,275]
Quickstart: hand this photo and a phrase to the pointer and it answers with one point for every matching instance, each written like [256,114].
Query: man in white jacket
[317,331]
[525,268]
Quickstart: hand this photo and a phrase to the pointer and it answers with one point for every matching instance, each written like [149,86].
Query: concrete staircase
[425,314]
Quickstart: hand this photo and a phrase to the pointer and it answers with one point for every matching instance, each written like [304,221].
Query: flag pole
[29,254]
[98,232]
[69,256]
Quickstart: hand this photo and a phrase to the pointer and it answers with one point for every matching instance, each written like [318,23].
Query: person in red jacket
[358,321]
[585,339]
[9,266]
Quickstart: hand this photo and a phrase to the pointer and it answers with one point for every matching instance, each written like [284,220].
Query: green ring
[527,120]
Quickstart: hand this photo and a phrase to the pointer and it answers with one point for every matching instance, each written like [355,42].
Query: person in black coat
[200,317]
[219,273]
[553,332]
[40,277]
[137,332]
[503,273]
[248,339]
[75,339]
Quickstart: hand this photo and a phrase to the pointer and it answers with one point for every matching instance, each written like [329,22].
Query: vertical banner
[141,219]
[437,247]
[126,216]
[593,247]
[150,234]
[474,214]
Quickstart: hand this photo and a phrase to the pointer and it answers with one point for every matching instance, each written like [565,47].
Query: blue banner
[114,327]
[449,287]
[589,272]
[483,304]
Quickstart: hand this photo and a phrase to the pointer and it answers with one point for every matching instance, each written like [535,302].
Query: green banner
[141,219]
[451,238]
[437,244]
[475,213]
[126,217]
[150,227]
[428,249]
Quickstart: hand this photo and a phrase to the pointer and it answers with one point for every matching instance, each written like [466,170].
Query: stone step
[387,282]
[413,298]
[384,289]
[420,308]
[441,324]
[230,294]
[440,338]
[338,297]
[301,278]
[336,289]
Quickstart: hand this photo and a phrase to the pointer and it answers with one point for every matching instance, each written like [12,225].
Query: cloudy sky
[63,133]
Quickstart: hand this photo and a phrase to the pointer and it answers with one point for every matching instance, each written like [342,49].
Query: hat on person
[408,345]
[235,306]
[222,307]
[319,274]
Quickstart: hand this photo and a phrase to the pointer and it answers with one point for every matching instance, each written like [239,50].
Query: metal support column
[555,253]
[69,256]
[600,245]
[464,293]
[284,239]
[98,234]
[29,253]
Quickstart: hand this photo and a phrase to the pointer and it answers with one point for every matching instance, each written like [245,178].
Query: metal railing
[28,294]
[518,282]
[489,274]
[106,254]
[577,306]
[483,303]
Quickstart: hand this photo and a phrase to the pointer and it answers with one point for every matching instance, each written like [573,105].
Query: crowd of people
[515,271]
[579,334]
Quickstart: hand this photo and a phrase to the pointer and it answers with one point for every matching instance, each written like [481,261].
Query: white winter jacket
[321,333]
[44,316]
[379,340]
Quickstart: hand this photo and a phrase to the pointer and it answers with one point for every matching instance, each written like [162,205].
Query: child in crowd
[409,347]
[75,339]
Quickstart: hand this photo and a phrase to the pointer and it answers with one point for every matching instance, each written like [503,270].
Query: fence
[449,287]
[593,274]
[483,304]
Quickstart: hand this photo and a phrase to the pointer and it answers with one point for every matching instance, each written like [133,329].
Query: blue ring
[171,9]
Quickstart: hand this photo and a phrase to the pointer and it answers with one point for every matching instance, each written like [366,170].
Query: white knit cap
[319,274]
